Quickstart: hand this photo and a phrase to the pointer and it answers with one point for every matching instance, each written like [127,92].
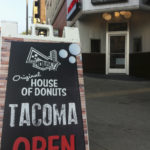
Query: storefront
[114,34]
[117,48]
[119,45]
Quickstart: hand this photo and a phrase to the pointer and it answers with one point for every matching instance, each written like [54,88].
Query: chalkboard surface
[42,107]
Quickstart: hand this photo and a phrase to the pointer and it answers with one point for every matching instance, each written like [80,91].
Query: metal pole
[27,17]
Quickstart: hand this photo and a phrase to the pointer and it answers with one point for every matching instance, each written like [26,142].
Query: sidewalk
[118,112]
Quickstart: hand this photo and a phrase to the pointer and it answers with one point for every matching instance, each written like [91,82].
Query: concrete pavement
[118,111]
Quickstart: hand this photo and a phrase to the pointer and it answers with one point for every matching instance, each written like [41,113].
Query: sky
[15,10]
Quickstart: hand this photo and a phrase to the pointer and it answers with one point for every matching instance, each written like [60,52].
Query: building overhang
[83,13]
[109,9]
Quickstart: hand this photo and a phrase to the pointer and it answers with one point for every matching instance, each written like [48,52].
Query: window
[137,44]
[37,16]
[37,3]
[42,31]
[96,2]
[95,45]
[117,27]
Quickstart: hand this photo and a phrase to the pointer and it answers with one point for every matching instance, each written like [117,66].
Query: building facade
[39,12]
[56,14]
[114,34]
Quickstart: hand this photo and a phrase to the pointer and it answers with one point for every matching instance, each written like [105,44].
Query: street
[118,110]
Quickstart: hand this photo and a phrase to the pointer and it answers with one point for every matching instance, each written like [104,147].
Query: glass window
[36,3]
[117,52]
[117,27]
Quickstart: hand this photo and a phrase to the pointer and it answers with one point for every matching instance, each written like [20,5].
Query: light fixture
[107,16]
[122,12]
[126,14]
[117,14]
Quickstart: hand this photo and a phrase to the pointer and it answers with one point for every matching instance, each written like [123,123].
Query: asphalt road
[118,111]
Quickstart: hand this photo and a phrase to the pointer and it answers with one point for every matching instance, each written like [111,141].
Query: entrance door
[117,56]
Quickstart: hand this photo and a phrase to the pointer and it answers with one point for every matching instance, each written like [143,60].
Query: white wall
[91,28]
[140,27]
[94,27]
[9,28]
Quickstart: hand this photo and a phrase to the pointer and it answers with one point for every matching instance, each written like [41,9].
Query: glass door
[117,53]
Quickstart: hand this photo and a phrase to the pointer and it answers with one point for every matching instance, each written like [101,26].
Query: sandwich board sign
[43,109]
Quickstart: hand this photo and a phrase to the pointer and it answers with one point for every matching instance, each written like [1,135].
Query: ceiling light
[107,16]
[122,12]
[126,14]
[117,14]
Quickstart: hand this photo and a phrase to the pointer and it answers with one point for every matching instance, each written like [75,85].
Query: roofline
[133,7]
[5,21]
[81,13]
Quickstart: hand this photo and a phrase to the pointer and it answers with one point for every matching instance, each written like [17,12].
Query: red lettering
[51,141]
[19,141]
[35,141]
[65,145]
[64,142]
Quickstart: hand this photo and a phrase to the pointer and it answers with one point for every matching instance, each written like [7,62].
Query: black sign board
[43,107]
[97,2]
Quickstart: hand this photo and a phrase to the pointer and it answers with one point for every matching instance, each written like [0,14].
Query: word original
[25,77]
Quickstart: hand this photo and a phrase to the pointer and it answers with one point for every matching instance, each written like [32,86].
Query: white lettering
[25,115]
[72,115]
[12,114]
[60,117]
[17,78]
[36,122]
[47,112]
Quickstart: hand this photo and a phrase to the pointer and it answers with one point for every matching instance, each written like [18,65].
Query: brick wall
[3,79]
[5,53]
